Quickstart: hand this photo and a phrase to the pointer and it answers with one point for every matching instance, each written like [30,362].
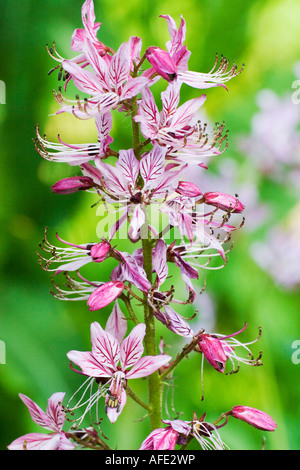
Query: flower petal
[88,364]
[147,365]
[129,166]
[55,410]
[37,414]
[116,324]
[105,346]
[132,347]
[36,441]
[159,261]
[104,295]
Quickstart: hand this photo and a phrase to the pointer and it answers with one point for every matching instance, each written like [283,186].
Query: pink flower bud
[105,294]
[99,251]
[213,351]
[224,201]
[72,184]
[258,419]
[162,62]
[188,189]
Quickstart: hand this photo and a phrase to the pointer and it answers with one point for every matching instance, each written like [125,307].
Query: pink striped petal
[170,100]
[257,418]
[147,365]
[55,411]
[37,414]
[186,112]
[174,322]
[88,364]
[129,166]
[114,413]
[153,163]
[116,324]
[104,295]
[159,261]
[133,87]
[132,347]
[84,80]
[119,67]
[36,441]
[105,347]
[160,439]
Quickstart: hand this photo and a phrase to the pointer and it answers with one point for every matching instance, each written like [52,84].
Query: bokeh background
[259,284]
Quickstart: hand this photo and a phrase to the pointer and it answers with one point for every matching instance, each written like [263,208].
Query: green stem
[136,398]
[135,129]
[127,302]
[154,382]
[186,350]
[155,386]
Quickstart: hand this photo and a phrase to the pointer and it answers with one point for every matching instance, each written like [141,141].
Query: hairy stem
[150,337]
[185,351]
[136,398]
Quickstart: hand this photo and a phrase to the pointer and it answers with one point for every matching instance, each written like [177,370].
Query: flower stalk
[168,143]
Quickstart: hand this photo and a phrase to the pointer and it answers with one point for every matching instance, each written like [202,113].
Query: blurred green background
[39,330]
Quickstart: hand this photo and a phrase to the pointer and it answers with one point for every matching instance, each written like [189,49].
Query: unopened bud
[223,201]
[99,251]
[188,189]
[213,351]
[162,62]
[258,419]
[104,295]
[72,185]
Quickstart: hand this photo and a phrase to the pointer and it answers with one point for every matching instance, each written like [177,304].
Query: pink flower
[72,185]
[167,438]
[177,127]
[53,420]
[178,431]
[223,201]
[73,257]
[77,154]
[218,349]
[188,189]
[109,83]
[89,31]
[120,183]
[116,359]
[258,419]
[105,294]
[173,64]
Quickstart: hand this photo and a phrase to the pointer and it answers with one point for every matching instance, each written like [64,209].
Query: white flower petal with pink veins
[128,165]
[132,346]
[137,221]
[37,441]
[159,261]
[114,413]
[105,347]
[88,364]
[147,365]
[116,324]
[38,415]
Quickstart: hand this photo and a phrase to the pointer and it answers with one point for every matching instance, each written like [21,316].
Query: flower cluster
[135,183]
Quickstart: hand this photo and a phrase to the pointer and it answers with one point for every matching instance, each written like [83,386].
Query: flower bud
[213,351]
[72,185]
[99,251]
[258,419]
[223,201]
[104,295]
[162,62]
[188,189]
